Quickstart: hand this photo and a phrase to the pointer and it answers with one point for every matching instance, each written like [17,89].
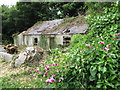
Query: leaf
[99,68]
[98,85]
[117,84]
[93,70]
[72,66]
[112,77]
[110,84]
[104,69]
[104,86]
[91,78]
[99,75]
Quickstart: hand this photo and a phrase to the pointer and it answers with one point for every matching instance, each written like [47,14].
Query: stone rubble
[29,55]
[5,56]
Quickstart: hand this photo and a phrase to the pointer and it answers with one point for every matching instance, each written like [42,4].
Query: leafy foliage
[97,54]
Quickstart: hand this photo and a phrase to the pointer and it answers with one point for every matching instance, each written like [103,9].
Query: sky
[8,2]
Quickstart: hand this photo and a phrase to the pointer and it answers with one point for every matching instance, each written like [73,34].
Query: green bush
[96,55]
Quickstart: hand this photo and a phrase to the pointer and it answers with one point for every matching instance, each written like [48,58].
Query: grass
[25,77]
[13,77]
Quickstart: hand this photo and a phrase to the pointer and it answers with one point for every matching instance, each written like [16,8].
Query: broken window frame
[66,40]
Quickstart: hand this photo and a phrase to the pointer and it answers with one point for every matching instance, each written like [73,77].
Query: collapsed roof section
[72,25]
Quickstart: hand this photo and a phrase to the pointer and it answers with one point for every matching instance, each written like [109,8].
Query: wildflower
[106,49]
[117,34]
[33,87]
[54,75]
[39,73]
[46,73]
[107,45]
[50,80]
[88,45]
[115,38]
[100,42]
[61,79]
[56,57]
[30,79]
[43,62]
[36,71]
[54,64]
[69,64]
[47,68]
[50,65]
[110,54]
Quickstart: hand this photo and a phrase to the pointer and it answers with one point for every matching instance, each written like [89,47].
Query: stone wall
[44,41]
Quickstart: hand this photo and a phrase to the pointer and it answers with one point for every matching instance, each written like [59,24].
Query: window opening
[66,41]
[35,41]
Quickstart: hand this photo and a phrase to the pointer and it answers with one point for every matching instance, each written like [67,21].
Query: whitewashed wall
[28,40]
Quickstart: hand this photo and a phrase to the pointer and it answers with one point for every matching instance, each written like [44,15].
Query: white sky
[8,2]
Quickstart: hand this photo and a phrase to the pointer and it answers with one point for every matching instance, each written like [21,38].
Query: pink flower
[54,64]
[43,62]
[69,63]
[33,87]
[117,34]
[39,73]
[100,42]
[88,45]
[36,71]
[107,45]
[54,75]
[47,68]
[110,54]
[56,57]
[106,49]
[115,38]
[30,79]
[50,65]
[61,79]
[46,73]
[50,80]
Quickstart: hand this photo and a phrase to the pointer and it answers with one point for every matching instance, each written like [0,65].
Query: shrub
[96,55]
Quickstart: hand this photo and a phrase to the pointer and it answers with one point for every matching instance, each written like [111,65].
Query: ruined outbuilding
[52,34]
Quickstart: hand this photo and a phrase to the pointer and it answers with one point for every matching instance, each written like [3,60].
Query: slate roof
[57,27]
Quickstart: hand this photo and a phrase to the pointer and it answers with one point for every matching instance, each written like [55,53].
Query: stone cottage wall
[44,41]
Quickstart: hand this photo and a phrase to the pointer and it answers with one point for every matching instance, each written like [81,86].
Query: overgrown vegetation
[92,60]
